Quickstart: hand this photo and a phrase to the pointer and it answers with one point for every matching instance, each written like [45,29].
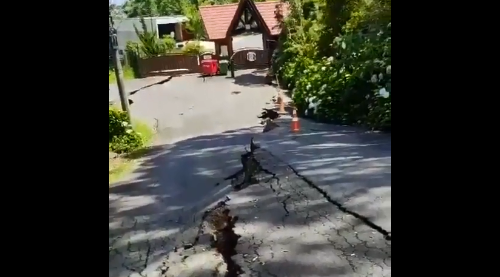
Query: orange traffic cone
[295,121]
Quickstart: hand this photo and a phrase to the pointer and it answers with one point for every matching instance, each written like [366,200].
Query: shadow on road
[255,78]
[177,181]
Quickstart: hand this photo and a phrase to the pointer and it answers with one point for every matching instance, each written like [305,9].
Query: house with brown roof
[222,22]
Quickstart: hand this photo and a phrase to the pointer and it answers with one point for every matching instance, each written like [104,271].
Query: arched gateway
[222,22]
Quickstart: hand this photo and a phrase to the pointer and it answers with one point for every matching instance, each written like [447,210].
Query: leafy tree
[136,8]
[195,24]
[335,57]
[117,11]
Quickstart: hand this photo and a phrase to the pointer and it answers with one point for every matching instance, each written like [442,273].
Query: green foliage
[189,8]
[117,11]
[193,48]
[122,138]
[137,8]
[169,43]
[195,24]
[338,67]
[150,45]
[132,50]
[128,74]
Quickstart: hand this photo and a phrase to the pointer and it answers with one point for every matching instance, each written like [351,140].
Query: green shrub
[122,138]
[169,42]
[193,48]
[132,52]
[340,77]
[354,87]
[150,45]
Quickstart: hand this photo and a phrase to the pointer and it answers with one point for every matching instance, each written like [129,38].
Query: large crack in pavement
[248,159]
[247,173]
[296,197]
[365,220]
[218,224]
[305,213]
[222,235]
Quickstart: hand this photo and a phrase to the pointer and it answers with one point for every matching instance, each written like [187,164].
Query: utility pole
[113,44]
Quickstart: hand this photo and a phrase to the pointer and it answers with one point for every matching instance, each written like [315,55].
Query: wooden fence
[171,65]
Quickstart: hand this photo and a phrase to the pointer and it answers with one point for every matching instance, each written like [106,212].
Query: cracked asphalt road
[352,166]
[288,228]
[313,237]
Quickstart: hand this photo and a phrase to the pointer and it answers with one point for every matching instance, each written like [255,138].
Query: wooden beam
[255,13]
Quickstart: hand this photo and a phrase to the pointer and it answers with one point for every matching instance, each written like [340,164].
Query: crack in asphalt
[283,203]
[250,157]
[260,168]
[291,202]
[148,251]
[132,92]
[201,225]
[226,248]
[150,85]
[365,220]
[225,240]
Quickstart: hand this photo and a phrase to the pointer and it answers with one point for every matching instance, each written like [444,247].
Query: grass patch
[123,164]
[128,74]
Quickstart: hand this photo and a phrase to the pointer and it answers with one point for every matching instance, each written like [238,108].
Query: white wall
[253,41]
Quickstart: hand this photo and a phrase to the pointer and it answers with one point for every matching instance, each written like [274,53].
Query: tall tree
[195,24]
[135,8]
[117,11]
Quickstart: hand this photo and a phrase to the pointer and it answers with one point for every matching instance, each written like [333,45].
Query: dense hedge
[348,80]
[122,137]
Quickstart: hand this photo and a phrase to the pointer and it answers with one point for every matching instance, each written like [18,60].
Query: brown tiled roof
[217,18]
[267,9]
